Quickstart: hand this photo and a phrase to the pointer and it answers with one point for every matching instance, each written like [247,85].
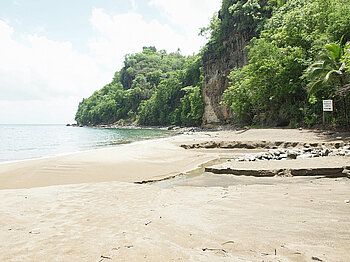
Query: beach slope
[84,206]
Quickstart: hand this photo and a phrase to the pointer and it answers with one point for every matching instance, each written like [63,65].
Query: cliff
[216,69]
[239,23]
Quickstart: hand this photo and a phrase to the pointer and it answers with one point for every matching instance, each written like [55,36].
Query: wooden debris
[228,242]
[103,258]
[214,249]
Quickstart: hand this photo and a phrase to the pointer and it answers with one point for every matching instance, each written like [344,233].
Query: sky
[55,53]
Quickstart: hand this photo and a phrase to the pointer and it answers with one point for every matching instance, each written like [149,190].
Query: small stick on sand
[228,242]
[214,249]
[103,258]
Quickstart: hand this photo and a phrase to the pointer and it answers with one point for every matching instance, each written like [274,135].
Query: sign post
[327,107]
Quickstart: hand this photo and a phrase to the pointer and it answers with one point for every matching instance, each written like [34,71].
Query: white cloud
[117,35]
[49,111]
[191,15]
[127,33]
[42,81]
[43,68]
[35,68]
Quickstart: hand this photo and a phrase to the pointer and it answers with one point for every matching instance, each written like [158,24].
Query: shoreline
[134,162]
[92,148]
[77,152]
[86,206]
[138,161]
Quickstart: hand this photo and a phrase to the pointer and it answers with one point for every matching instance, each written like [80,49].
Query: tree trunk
[344,100]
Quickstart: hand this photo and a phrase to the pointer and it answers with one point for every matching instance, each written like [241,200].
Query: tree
[329,66]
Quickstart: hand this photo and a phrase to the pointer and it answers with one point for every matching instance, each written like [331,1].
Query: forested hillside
[153,88]
[299,58]
[298,55]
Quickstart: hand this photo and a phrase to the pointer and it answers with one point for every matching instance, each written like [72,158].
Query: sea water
[21,142]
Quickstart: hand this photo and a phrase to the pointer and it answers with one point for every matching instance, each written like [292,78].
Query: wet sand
[83,207]
[154,159]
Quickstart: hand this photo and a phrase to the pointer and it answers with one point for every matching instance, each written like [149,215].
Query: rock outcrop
[267,145]
[226,51]
[314,171]
[216,69]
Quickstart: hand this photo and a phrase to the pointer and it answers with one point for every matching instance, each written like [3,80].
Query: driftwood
[103,258]
[214,249]
[228,242]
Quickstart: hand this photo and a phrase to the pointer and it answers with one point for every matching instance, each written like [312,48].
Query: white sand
[128,163]
[94,211]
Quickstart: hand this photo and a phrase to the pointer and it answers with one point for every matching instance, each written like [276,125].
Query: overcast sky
[54,53]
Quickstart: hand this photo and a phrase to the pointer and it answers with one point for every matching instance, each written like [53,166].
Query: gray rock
[316,154]
[304,156]
[341,153]
[284,155]
[324,147]
[325,151]
[274,152]
[251,158]
[260,156]
[291,154]
[307,150]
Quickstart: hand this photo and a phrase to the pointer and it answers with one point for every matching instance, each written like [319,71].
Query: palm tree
[329,66]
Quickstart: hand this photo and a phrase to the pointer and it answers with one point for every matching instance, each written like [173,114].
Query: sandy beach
[87,207]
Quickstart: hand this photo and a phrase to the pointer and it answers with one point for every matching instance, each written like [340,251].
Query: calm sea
[20,142]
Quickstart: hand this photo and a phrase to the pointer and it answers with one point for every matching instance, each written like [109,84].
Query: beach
[92,206]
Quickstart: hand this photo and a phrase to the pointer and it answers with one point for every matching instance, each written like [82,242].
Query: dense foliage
[236,17]
[153,88]
[299,55]
[277,86]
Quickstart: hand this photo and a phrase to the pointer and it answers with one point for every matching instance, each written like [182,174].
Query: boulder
[291,154]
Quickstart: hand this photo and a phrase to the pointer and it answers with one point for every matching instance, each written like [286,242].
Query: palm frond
[334,50]
[330,73]
[342,67]
[316,73]
[315,86]
[315,66]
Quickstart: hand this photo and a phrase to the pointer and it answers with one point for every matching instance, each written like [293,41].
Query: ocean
[21,142]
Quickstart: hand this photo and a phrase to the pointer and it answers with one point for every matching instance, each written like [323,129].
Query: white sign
[327,105]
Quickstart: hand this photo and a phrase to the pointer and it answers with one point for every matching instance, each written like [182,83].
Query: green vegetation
[153,88]
[295,62]
[236,17]
[299,55]
[330,66]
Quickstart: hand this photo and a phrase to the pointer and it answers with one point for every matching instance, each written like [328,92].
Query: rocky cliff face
[239,24]
[216,69]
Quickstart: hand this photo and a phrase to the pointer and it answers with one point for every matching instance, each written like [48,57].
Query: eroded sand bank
[94,213]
